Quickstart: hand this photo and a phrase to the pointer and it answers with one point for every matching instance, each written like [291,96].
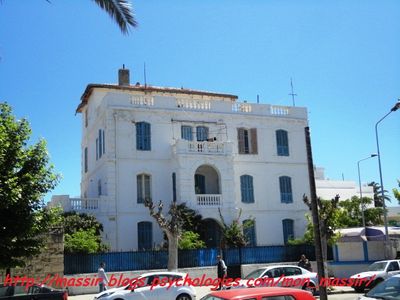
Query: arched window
[143,136]
[143,187]
[288,230]
[145,235]
[246,188]
[285,186]
[282,143]
[249,231]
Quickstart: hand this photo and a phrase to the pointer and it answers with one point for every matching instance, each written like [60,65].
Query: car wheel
[183,297]
[359,289]
[310,287]
[376,282]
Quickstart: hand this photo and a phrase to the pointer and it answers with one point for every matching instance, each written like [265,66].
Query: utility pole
[315,217]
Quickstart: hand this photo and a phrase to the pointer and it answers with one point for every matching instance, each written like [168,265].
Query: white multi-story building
[203,148]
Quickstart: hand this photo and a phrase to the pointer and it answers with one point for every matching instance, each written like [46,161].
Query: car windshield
[211,297]
[255,274]
[389,289]
[377,266]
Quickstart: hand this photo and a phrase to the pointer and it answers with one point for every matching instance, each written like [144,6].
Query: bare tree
[172,226]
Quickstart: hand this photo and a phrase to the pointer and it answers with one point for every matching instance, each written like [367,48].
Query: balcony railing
[78,204]
[208,200]
[193,147]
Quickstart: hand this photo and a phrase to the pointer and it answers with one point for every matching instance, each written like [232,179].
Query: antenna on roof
[258,98]
[292,93]
[144,71]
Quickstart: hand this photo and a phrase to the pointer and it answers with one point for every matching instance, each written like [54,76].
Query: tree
[190,240]
[172,227]
[120,11]
[378,200]
[233,234]
[396,192]
[25,177]
[77,227]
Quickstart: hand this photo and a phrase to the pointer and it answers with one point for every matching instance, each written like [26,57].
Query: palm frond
[120,11]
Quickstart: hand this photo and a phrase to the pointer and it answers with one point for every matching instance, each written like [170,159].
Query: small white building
[203,148]
[327,189]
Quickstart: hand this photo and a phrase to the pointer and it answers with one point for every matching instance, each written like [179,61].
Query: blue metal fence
[148,260]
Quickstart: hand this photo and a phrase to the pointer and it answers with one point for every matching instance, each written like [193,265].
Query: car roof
[163,273]
[260,291]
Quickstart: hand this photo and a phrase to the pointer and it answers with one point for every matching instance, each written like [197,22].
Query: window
[145,235]
[282,143]
[249,231]
[199,184]
[201,133]
[143,136]
[246,188]
[174,187]
[99,187]
[86,160]
[288,231]
[247,141]
[86,117]
[100,144]
[187,133]
[143,182]
[285,185]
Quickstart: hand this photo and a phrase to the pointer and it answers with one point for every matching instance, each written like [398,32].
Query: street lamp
[359,182]
[394,108]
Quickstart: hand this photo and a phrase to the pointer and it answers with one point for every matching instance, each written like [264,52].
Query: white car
[282,275]
[389,289]
[377,272]
[152,286]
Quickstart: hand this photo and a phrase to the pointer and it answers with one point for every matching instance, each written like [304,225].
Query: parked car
[283,275]
[388,289]
[34,292]
[264,293]
[380,269]
[144,287]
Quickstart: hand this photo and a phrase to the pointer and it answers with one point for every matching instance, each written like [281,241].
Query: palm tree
[120,11]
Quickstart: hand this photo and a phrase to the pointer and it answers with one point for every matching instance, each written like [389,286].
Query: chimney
[123,76]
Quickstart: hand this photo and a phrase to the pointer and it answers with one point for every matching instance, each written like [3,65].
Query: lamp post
[394,108]
[359,183]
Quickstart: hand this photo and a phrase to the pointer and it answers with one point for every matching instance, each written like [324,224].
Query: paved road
[344,293]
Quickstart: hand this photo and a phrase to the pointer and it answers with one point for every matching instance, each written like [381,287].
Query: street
[344,294]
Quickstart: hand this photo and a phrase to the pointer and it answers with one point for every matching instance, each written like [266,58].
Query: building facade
[205,149]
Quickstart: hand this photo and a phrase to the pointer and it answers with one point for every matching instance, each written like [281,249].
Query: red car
[262,293]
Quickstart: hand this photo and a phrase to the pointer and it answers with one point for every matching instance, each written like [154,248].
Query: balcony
[210,148]
[208,200]
[80,205]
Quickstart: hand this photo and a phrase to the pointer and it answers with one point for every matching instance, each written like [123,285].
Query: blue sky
[343,56]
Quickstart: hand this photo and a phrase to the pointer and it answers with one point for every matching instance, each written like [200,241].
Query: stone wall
[49,261]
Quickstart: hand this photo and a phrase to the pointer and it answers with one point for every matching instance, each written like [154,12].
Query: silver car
[388,289]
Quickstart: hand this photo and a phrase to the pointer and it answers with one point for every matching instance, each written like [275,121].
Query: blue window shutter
[97,148]
[288,229]
[139,188]
[246,187]
[145,235]
[250,234]
[143,136]
[100,144]
[104,142]
[285,186]
[282,143]
[201,133]
[86,159]
[186,133]
[200,184]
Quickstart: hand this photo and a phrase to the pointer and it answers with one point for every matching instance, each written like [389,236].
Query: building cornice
[147,89]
